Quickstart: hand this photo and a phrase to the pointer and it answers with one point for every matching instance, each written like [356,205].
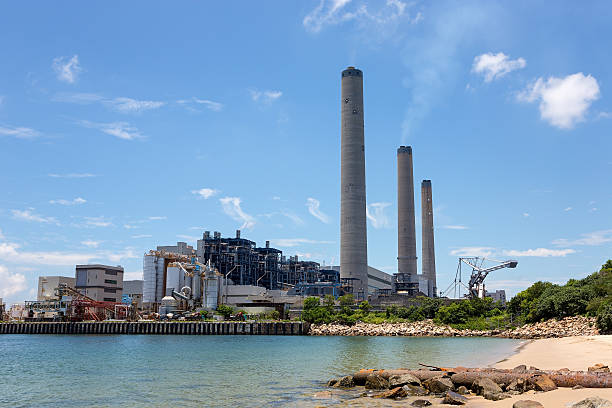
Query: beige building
[48,284]
[102,283]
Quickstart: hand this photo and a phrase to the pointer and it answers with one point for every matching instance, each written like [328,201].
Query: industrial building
[353,226]
[47,286]
[102,283]
[132,292]
[497,296]
[377,281]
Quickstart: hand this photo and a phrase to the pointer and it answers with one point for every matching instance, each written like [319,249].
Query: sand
[575,353]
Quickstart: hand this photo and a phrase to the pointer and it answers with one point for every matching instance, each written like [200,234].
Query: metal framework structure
[85,308]
[479,271]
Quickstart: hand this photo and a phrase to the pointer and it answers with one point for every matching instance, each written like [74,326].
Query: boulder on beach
[482,385]
[415,390]
[592,402]
[438,385]
[376,382]
[345,382]
[420,403]
[599,368]
[395,393]
[542,383]
[403,379]
[453,398]
[527,404]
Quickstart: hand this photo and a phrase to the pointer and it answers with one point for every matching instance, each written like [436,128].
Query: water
[209,371]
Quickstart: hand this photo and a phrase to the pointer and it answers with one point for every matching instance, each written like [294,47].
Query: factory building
[294,271]
[428,259]
[101,283]
[240,261]
[377,281]
[353,227]
[497,296]
[48,284]
[132,292]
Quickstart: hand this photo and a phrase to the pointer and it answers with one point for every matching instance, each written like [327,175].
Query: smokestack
[428,253]
[267,244]
[406,231]
[353,228]
[237,233]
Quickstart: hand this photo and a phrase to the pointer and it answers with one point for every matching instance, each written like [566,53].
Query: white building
[48,284]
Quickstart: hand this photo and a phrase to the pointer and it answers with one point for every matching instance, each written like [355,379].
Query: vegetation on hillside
[591,296]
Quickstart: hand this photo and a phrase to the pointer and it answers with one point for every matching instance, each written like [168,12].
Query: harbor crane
[475,287]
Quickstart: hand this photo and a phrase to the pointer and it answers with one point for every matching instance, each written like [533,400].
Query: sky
[127,125]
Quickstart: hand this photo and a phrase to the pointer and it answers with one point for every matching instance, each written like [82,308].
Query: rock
[599,368]
[521,368]
[438,385]
[332,382]
[577,387]
[462,390]
[527,404]
[495,396]
[376,382]
[532,368]
[592,402]
[404,379]
[345,382]
[452,398]
[415,390]
[519,385]
[395,393]
[420,403]
[542,383]
[482,385]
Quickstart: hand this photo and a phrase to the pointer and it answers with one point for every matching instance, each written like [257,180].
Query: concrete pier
[428,250]
[353,234]
[178,328]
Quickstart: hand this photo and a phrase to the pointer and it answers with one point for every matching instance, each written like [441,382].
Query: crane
[475,286]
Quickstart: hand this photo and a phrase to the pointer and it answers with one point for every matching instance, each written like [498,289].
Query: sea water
[210,371]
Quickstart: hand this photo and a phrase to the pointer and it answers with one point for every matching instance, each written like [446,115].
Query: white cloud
[137,275]
[142,236]
[313,208]
[116,257]
[128,226]
[265,96]
[97,222]
[1,234]
[495,66]
[19,132]
[91,244]
[188,237]
[9,253]
[28,215]
[376,214]
[455,227]
[231,206]
[594,238]
[540,252]
[293,217]
[211,105]
[483,252]
[75,201]
[525,215]
[158,218]
[11,283]
[293,242]
[335,12]
[72,175]
[67,69]
[205,193]
[563,101]
[122,130]
[568,209]
[129,105]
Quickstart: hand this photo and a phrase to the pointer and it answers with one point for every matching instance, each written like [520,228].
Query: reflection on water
[213,371]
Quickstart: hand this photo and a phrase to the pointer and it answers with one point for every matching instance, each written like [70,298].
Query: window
[110,290]
[108,272]
[110,299]
[114,282]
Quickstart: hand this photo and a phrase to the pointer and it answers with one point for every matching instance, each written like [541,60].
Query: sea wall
[185,328]
[570,326]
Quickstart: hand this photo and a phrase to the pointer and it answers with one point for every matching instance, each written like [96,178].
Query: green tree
[225,311]
[347,300]
[364,307]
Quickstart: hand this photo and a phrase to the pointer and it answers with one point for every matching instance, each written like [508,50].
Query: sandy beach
[575,353]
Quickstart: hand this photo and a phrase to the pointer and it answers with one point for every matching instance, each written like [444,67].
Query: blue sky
[129,125]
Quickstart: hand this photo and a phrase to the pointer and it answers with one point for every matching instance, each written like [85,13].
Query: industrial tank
[168,305]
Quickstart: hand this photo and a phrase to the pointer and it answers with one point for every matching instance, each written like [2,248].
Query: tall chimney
[428,253]
[353,228]
[406,230]
[237,233]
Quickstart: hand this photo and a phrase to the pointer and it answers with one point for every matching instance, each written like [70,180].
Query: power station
[353,228]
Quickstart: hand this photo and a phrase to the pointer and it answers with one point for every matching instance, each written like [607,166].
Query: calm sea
[209,371]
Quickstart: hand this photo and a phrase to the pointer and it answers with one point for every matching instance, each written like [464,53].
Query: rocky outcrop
[592,402]
[527,404]
[376,382]
[403,379]
[453,398]
[439,385]
[570,326]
